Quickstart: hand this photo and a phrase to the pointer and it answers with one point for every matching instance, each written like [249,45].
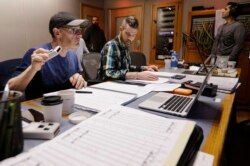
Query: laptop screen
[203,85]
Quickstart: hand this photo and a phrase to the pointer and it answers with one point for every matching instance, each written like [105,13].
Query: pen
[78,91]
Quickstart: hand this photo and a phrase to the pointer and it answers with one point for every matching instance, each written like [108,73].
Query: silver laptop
[174,104]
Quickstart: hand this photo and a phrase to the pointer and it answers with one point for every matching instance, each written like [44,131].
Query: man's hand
[151,68]
[38,58]
[77,81]
[147,76]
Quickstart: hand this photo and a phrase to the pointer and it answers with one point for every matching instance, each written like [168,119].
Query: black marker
[83,91]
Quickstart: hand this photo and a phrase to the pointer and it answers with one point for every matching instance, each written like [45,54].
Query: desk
[214,124]
[214,127]
[215,141]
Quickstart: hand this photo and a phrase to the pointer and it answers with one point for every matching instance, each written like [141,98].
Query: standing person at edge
[94,36]
[116,61]
[80,52]
[230,37]
[38,75]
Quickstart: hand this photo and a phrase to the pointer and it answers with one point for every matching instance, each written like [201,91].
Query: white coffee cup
[221,61]
[68,97]
[167,63]
[52,108]
[231,64]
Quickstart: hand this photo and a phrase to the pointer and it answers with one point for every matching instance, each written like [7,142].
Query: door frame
[88,11]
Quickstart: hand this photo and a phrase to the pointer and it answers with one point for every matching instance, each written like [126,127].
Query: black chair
[6,70]
[138,59]
[90,64]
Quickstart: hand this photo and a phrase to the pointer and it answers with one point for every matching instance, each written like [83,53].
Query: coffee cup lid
[51,100]
[77,117]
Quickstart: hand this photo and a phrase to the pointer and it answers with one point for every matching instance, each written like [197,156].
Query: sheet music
[118,136]
[100,100]
[194,68]
[203,159]
[226,84]
[163,87]
[115,86]
[163,74]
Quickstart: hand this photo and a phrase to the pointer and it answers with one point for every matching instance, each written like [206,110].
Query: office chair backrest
[138,58]
[91,63]
[6,70]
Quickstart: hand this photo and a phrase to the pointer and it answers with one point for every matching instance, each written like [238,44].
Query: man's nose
[78,36]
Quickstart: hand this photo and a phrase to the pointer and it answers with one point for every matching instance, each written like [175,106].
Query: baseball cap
[62,19]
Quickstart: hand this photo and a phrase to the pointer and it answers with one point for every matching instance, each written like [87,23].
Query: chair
[138,59]
[7,68]
[90,64]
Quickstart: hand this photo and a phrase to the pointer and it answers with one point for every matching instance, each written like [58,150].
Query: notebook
[174,104]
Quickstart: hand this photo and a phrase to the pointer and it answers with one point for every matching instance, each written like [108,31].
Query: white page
[118,136]
[163,73]
[194,68]
[100,100]
[224,83]
[203,159]
[163,87]
[120,87]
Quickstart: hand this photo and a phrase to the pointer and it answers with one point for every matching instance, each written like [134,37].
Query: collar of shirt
[120,42]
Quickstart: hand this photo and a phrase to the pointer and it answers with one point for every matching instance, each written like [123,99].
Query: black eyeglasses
[75,31]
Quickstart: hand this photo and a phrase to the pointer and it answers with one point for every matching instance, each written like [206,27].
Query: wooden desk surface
[215,141]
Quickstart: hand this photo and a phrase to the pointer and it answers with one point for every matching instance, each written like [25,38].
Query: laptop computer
[174,104]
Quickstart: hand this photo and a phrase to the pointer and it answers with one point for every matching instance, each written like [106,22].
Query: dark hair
[234,9]
[132,22]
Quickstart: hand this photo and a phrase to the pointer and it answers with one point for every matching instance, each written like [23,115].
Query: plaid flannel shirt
[116,61]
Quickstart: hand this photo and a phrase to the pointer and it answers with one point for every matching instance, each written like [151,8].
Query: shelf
[165,28]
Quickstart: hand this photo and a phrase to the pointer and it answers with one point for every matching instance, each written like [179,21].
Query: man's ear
[121,28]
[56,32]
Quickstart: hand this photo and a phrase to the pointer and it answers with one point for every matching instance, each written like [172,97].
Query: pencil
[83,91]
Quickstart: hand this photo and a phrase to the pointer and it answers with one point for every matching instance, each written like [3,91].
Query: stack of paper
[225,84]
[136,89]
[118,136]
[100,99]
[125,88]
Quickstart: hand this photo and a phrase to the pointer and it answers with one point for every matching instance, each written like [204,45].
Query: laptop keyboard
[176,103]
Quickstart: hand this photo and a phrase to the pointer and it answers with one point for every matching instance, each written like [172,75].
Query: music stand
[192,38]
